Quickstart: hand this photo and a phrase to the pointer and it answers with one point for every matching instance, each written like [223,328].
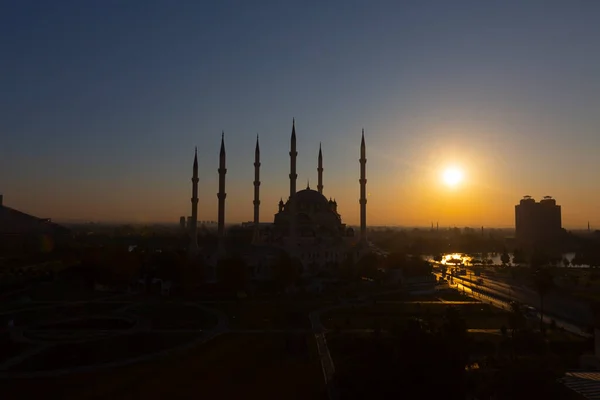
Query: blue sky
[102,103]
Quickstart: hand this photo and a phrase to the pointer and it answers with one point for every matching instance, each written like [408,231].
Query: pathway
[324,355]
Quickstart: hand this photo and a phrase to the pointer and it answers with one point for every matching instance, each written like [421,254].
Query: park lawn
[444,295]
[38,314]
[9,348]
[99,351]
[386,316]
[560,335]
[587,295]
[61,290]
[174,316]
[16,306]
[453,295]
[494,338]
[411,309]
[267,315]
[230,366]
[490,321]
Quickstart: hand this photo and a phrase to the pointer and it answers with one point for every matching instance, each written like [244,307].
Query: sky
[102,103]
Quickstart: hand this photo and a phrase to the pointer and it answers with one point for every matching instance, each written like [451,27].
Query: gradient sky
[102,103]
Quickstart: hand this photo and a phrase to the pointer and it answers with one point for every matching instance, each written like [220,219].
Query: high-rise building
[537,221]
[182,223]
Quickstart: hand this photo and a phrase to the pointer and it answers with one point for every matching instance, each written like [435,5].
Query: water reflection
[462,259]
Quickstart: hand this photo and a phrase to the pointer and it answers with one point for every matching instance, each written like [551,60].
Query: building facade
[22,233]
[537,222]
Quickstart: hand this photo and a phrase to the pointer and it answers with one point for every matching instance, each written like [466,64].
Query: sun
[452,176]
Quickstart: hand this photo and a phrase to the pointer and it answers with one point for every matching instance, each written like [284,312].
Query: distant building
[537,222]
[22,233]
[182,223]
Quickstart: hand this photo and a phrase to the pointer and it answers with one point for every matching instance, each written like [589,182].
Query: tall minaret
[221,195]
[256,202]
[293,177]
[320,172]
[293,155]
[193,250]
[363,189]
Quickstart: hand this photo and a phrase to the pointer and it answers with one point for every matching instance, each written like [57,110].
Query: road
[577,312]
[501,294]
[365,330]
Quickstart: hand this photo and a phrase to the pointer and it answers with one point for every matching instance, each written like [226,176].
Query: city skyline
[102,108]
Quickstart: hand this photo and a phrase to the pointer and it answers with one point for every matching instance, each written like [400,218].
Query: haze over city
[102,105]
[318,200]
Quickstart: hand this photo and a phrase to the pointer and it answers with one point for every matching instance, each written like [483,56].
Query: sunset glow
[459,121]
[452,176]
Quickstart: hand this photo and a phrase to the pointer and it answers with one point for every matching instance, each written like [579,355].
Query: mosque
[307,225]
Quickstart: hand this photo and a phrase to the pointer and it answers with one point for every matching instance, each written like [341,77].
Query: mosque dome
[311,200]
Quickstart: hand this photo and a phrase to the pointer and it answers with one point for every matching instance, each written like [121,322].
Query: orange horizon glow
[404,190]
[98,132]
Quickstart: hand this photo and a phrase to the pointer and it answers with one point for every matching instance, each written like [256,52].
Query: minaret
[363,189]
[293,177]
[320,172]
[221,195]
[256,201]
[193,250]
[293,155]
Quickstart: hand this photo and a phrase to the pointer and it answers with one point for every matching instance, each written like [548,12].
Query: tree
[285,272]
[233,273]
[505,258]
[416,266]
[543,282]
[367,265]
[518,256]
[126,267]
[396,260]
[454,327]
[538,259]
[348,269]
[379,361]
[115,266]
[167,265]
[192,275]
[527,378]
[579,259]
[516,318]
